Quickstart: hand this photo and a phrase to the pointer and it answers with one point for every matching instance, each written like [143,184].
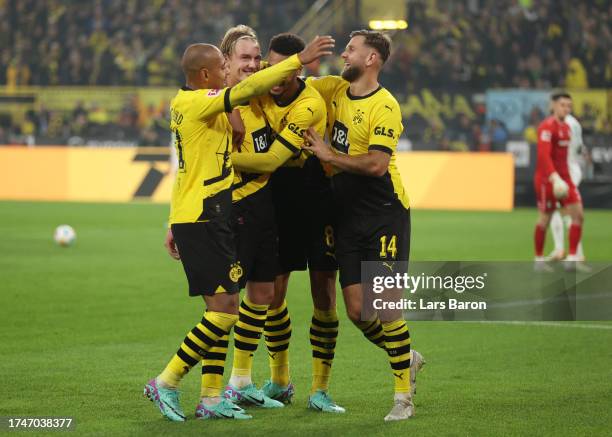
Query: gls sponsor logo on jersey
[295,129]
[384,131]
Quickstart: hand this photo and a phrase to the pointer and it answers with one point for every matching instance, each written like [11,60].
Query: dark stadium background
[444,70]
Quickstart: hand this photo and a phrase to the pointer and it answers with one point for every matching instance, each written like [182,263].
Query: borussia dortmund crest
[235,272]
[358,117]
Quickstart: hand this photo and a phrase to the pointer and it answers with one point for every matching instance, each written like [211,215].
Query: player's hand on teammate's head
[314,143]
[171,245]
[319,46]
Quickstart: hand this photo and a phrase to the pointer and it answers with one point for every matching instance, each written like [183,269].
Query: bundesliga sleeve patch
[545,135]
[213,93]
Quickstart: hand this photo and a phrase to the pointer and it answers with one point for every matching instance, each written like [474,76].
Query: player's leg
[277,333]
[558,234]
[575,211]
[323,327]
[286,196]
[349,253]
[216,407]
[215,280]
[322,267]
[546,203]
[247,332]
[218,319]
[258,250]
[213,363]
[576,176]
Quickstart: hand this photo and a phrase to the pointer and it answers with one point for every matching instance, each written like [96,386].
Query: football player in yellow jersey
[200,234]
[301,191]
[373,221]
[255,233]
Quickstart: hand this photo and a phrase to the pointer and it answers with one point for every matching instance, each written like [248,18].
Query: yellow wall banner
[434,180]
[455,180]
[85,174]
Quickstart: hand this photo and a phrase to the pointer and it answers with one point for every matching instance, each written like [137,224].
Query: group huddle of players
[259,194]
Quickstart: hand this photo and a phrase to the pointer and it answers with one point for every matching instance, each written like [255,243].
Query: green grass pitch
[84,328]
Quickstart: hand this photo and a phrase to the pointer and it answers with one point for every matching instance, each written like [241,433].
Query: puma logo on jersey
[389,108]
[311,111]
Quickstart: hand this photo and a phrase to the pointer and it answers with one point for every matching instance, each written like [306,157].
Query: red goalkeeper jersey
[553,142]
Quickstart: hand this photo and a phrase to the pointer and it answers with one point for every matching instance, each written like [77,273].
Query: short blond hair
[235,34]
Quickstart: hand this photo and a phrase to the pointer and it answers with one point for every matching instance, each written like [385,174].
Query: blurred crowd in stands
[121,42]
[459,46]
[90,123]
[484,44]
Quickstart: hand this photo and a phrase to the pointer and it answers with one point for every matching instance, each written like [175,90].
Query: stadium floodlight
[388,24]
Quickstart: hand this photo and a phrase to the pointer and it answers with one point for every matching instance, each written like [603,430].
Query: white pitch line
[548,324]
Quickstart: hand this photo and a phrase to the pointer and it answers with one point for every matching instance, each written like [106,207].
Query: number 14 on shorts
[388,246]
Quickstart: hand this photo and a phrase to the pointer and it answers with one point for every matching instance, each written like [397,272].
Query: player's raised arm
[262,81]
[325,85]
[204,69]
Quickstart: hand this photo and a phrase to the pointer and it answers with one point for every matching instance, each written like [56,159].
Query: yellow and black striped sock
[277,331]
[323,335]
[213,365]
[247,332]
[201,338]
[373,331]
[397,343]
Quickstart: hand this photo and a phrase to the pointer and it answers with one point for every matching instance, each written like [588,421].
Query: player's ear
[204,74]
[371,58]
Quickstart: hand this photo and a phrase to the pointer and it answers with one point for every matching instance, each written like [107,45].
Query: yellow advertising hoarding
[434,180]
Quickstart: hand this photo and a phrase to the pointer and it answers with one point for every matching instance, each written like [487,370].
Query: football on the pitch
[64,235]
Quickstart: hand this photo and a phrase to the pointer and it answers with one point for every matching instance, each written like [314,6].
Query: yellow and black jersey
[290,120]
[203,137]
[257,139]
[203,141]
[356,125]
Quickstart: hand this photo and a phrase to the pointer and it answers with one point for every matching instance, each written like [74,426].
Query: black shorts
[208,254]
[305,221]
[254,225]
[381,238]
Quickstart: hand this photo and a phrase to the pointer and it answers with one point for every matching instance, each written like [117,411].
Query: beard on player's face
[351,73]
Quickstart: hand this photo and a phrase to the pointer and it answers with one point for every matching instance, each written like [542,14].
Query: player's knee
[578,219]
[260,293]
[323,301]
[354,313]
[544,220]
[223,303]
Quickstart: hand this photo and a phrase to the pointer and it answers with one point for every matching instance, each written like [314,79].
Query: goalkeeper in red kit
[553,183]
